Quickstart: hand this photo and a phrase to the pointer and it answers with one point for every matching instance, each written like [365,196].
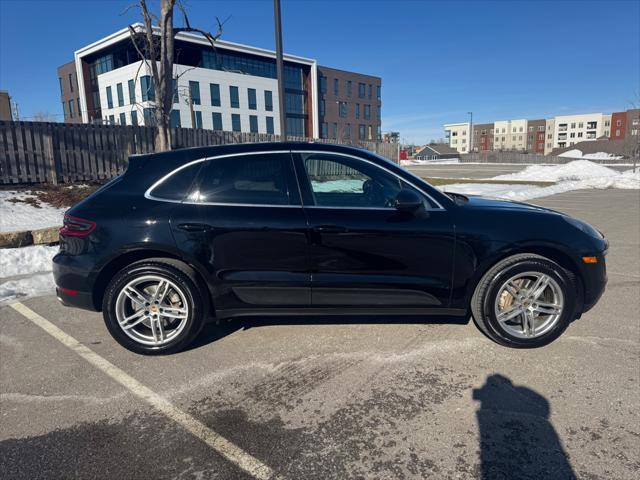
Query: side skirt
[345,311]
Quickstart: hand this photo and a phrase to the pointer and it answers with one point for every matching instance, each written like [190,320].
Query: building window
[253,123]
[71,114]
[334,130]
[270,125]
[109,98]
[147,89]
[322,108]
[295,126]
[235,121]
[379,133]
[370,91]
[61,86]
[268,100]
[573,135]
[357,110]
[175,119]
[361,132]
[79,109]
[134,118]
[235,98]
[379,94]
[336,87]
[198,116]
[579,135]
[194,90]
[361,90]
[214,90]
[634,131]
[251,96]
[217,120]
[370,132]
[132,91]
[112,120]
[592,125]
[618,123]
[573,125]
[367,112]
[617,132]
[123,119]
[70,82]
[343,109]
[348,88]
[323,130]
[120,94]
[606,133]
[323,84]
[607,123]
[378,112]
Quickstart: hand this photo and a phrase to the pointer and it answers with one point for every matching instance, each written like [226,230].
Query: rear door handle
[194,227]
[330,229]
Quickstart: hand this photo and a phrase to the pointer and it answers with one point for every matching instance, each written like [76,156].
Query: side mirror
[408,201]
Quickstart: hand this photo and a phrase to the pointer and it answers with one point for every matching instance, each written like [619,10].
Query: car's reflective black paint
[301,258]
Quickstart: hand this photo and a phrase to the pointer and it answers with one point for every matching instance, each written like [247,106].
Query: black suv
[311,229]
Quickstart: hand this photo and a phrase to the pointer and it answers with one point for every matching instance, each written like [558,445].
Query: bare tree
[44,117]
[155,46]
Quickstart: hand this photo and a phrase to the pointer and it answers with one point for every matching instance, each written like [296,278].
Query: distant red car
[403,154]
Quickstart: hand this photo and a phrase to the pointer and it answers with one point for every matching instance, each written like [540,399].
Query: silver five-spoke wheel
[529,304]
[152,310]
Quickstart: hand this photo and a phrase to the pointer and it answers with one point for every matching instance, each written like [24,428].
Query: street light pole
[471,131]
[280,70]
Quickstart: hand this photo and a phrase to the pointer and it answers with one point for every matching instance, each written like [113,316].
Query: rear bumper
[73,279]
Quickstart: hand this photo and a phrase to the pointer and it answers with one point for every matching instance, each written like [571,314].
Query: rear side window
[175,187]
[262,179]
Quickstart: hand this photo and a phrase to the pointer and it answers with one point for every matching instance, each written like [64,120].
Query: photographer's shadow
[517,440]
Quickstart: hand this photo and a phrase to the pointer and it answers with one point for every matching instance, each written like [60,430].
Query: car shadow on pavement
[517,439]
[213,332]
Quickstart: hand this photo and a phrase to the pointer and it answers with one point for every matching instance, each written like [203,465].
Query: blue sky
[437,60]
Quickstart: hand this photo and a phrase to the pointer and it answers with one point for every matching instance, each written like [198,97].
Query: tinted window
[255,179]
[176,186]
[338,181]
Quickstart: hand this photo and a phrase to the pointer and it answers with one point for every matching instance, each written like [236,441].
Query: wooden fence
[38,152]
[527,158]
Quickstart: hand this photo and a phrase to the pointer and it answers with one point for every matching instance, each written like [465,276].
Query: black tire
[484,297]
[169,269]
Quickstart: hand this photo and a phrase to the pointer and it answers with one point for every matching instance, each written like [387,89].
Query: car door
[364,252]
[243,221]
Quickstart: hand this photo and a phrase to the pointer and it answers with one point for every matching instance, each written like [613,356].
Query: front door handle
[330,229]
[194,227]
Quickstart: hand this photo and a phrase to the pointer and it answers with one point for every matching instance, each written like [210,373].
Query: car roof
[183,155]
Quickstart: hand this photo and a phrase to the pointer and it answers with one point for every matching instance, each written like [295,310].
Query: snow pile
[16,217]
[448,161]
[26,272]
[576,175]
[575,153]
[338,186]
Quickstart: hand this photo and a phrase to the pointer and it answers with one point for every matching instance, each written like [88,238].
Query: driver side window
[338,181]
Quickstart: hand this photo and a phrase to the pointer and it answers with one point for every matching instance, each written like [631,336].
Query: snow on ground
[575,153]
[335,186]
[576,175]
[448,161]
[25,272]
[15,217]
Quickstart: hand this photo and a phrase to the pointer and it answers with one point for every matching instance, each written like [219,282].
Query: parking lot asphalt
[475,170]
[386,398]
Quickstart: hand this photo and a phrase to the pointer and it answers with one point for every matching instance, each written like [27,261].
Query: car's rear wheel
[153,307]
[525,301]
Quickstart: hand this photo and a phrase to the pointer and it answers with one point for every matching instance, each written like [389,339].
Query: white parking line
[221,445]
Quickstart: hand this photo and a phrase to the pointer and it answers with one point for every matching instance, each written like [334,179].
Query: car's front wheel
[153,307]
[525,301]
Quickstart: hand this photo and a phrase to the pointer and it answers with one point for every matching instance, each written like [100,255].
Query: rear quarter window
[177,185]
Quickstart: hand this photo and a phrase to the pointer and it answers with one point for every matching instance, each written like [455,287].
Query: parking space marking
[221,445]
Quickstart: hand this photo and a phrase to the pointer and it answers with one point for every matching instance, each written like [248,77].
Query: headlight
[585,227]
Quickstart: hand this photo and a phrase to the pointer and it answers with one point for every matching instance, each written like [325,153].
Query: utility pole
[280,70]
[471,132]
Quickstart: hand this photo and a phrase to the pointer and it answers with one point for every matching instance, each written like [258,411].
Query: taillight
[76,227]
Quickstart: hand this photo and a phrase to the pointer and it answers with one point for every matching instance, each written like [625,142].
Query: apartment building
[510,135]
[571,129]
[625,124]
[5,106]
[458,135]
[232,87]
[482,137]
[536,134]
[349,105]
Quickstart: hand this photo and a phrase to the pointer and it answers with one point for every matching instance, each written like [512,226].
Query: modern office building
[458,135]
[70,93]
[349,105]
[232,87]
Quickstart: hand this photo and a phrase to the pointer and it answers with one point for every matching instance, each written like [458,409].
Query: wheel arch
[117,263]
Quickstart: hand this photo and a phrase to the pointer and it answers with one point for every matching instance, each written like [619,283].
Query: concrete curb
[41,236]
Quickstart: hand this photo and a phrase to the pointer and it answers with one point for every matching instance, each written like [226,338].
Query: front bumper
[595,280]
